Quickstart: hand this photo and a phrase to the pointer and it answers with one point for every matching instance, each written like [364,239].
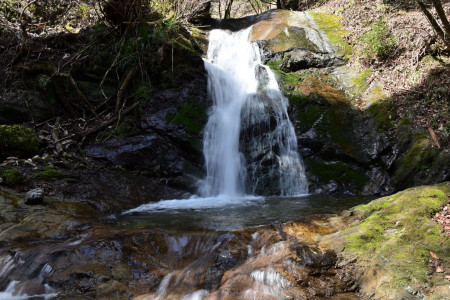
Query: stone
[34,197]
[295,39]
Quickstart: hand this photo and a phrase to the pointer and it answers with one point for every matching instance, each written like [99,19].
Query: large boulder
[294,39]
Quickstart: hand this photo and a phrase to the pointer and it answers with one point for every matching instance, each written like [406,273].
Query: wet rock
[315,258]
[34,197]
[224,262]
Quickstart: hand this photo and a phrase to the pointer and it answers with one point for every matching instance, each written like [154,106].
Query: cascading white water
[245,92]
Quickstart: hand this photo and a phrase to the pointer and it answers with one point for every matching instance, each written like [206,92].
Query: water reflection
[232,214]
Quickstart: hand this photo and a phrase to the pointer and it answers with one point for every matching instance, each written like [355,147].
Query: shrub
[378,42]
[11,176]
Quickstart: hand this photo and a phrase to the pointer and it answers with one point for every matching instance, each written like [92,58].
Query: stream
[231,241]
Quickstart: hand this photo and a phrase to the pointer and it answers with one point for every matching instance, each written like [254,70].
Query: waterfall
[250,145]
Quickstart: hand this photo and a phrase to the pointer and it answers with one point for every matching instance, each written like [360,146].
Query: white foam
[195,203]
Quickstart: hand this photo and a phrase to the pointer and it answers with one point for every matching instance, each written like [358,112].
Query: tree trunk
[440,10]
[227,13]
[434,23]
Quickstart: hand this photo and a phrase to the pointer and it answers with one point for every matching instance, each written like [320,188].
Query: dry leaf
[447,277]
[433,137]
[439,269]
[434,255]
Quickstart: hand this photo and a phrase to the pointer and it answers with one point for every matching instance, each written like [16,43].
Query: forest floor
[414,73]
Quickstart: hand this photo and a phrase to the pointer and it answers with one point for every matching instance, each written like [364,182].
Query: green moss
[331,25]
[419,157]
[398,229]
[310,116]
[404,122]
[378,41]
[189,168]
[11,176]
[376,93]
[360,82]
[287,81]
[191,114]
[384,113]
[340,172]
[49,172]
[125,128]
[291,38]
[17,140]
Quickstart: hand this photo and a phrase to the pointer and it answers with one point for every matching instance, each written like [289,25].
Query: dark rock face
[17,108]
[168,141]
[301,59]
[259,146]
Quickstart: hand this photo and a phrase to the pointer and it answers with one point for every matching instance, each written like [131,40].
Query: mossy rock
[419,158]
[384,113]
[331,25]
[17,140]
[360,82]
[192,115]
[11,176]
[399,229]
[49,173]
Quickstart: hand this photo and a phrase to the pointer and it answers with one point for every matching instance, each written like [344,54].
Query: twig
[55,137]
[107,123]
[122,41]
[23,10]
[79,92]
[122,88]
[66,138]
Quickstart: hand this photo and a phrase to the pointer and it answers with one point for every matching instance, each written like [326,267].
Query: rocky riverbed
[389,248]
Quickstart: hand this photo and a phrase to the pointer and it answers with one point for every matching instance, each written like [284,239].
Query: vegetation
[331,25]
[378,42]
[17,140]
[398,228]
[11,176]
[49,172]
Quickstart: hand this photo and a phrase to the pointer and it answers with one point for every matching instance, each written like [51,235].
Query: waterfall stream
[250,145]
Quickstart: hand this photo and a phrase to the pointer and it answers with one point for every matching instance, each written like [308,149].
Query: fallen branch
[122,88]
[108,122]
[55,136]
[79,92]
[62,97]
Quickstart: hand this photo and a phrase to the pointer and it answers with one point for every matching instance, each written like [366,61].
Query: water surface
[225,214]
